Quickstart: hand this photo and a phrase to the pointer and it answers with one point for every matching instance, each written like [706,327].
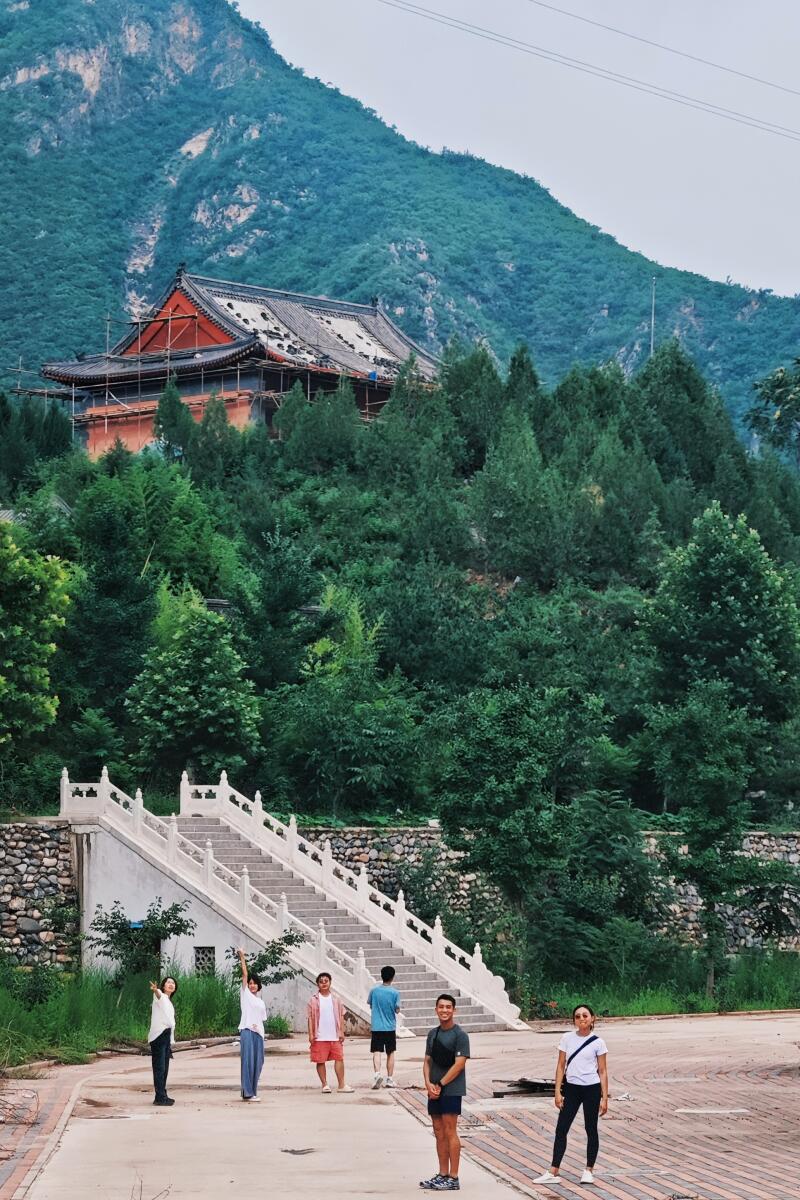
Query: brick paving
[649,1148]
[38,1105]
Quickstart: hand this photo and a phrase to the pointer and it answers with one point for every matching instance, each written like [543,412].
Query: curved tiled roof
[96,368]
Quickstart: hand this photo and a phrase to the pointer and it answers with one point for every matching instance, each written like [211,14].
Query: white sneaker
[587,1176]
[389,1082]
[548,1177]
[255,1099]
[346,1088]
[326,1091]
[377,1081]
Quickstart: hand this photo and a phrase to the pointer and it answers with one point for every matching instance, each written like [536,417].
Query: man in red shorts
[326,1033]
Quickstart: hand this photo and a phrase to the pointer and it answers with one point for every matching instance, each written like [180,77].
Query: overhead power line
[585,68]
[635,37]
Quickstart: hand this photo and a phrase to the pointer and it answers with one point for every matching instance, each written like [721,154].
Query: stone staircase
[418,985]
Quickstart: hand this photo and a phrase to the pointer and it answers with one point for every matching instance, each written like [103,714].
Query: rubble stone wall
[38,895]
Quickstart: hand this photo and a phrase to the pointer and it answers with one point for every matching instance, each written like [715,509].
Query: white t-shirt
[254,1011]
[326,1030]
[162,1016]
[583,1068]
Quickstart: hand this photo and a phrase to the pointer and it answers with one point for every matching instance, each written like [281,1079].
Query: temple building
[244,343]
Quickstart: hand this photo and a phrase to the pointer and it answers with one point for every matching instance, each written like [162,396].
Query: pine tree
[191,706]
[474,393]
[724,611]
[213,449]
[520,509]
[173,424]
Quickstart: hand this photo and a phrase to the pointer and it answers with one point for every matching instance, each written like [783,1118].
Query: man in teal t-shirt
[384,1001]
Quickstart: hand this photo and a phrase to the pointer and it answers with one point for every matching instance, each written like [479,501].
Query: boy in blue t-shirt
[384,1001]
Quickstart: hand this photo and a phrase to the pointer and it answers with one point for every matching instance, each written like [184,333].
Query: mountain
[138,135]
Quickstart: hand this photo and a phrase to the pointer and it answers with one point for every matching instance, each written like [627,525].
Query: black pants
[574,1096]
[161,1053]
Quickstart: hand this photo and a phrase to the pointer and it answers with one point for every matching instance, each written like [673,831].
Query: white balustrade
[263,918]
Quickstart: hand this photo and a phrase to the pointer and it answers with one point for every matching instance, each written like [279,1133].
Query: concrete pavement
[295,1142]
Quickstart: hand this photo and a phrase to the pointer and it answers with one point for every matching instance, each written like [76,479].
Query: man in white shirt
[326,1033]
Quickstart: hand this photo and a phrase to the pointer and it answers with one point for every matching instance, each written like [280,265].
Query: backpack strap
[582,1046]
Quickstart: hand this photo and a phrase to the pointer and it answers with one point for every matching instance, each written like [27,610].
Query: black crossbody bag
[593,1038]
[442,1057]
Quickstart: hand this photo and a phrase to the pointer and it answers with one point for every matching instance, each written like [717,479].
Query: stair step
[418,984]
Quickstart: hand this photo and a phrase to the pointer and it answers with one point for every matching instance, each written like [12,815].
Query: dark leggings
[574,1096]
[161,1052]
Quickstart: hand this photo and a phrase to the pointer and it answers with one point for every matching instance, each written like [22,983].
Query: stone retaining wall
[389,852]
[37,892]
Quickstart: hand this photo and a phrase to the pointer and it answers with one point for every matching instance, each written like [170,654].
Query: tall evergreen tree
[191,706]
[173,424]
[724,611]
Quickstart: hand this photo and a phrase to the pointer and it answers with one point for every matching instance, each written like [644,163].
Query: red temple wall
[134,428]
[187,329]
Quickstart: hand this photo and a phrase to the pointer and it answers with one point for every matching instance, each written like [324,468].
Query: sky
[684,187]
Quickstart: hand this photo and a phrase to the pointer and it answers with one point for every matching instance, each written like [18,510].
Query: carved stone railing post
[185,792]
[361,975]
[362,888]
[223,793]
[437,942]
[244,889]
[138,813]
[172,839]
[327,864]
[283,916]
[208,865]
[291,839]
[258,810]
[103,790]
[400,916]
[64,793]
[322,947]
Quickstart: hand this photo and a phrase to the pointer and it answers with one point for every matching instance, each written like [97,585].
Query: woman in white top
[162,1036]
[251,1030]
[583,1070]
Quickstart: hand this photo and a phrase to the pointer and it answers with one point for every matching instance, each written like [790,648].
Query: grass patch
[69,1018]
[754,981]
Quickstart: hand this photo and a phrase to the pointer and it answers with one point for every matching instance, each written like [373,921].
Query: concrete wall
[108,870]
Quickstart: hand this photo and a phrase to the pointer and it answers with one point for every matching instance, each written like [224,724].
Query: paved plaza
[705,1108]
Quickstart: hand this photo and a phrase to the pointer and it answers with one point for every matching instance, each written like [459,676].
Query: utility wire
[634,37]
[585,68]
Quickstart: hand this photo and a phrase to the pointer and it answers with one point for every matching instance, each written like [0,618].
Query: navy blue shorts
[445,1106]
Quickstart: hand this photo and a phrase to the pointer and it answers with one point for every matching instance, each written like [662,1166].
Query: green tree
[474,392]
[723,610]
[214,448]
[520,508]
[703,751]
[136,946]
[192,707]
[33,603]
[775,416]
[107,631]
[514,768]
[323,435]
[173,424]
[345,737]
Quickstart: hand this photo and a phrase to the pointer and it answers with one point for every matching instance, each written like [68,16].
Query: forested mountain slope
[137,135]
